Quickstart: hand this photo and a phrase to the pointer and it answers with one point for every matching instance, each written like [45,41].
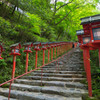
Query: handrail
[57,48]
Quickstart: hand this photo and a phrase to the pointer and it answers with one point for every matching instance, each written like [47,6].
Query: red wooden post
[99,57]
[48,55]
[14,65]
[15,48]
[88,71]
[36,48]
[55,50]
[43,57]
[36,57]
[90,40]
[59,48]
[48,47]
[15,51]
[27,49]
[26,62]
[51,52]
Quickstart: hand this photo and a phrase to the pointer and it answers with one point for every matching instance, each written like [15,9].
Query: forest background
[42,20]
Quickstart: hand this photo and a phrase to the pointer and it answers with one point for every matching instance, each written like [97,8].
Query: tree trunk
[14,10]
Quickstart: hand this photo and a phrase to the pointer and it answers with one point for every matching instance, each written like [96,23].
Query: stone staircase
[64,84]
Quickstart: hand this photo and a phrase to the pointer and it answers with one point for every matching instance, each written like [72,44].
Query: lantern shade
[86,40]
[96,33]
[44,44]
[16,45]
[27,47]
[37,43]
[90,19]
[28,44]
[36,46]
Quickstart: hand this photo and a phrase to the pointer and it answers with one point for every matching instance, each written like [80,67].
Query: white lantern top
[80,32]
[90,19]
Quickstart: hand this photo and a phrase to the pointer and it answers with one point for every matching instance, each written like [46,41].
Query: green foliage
[2,63]
[6,29]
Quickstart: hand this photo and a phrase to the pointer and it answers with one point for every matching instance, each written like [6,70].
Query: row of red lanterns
[59,47]
[15,48]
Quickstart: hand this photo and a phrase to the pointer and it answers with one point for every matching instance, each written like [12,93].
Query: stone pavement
[61,82]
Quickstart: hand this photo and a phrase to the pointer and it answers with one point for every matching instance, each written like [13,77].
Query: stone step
[71,65]
[53,78]
[61,72]
[76,60]
[50,83]
[62,69]
[59,75]
[20,95]
[77,63]
[5,98]
[62,84]
[50,90]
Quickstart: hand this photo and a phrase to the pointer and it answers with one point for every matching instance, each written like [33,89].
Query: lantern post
[91,26]
[52,46]
[36,48]
[84,39]
[15,51]
[90,40]
[27,49]
[15,48]
[48,47]
[55,47]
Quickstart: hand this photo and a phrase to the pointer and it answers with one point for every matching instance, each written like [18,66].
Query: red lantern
[15,49]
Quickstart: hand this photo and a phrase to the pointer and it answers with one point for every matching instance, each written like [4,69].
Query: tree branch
[67,14]
[63,18]
[64,5]
[55,6]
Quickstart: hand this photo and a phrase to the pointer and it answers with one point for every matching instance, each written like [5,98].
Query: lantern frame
[27,45]
[90,24]
[44,44]
[14,48]
[37,46]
